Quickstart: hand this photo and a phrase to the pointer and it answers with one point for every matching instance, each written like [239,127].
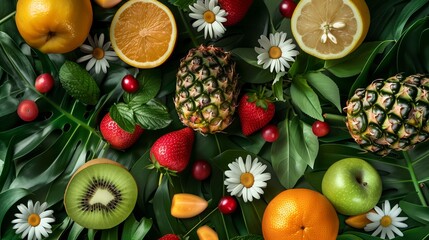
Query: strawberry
[236,10]
[117,137]
[169,236]
[255,111]
[172,151]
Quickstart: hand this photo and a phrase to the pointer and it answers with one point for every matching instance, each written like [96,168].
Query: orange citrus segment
[330,29]
[143,33]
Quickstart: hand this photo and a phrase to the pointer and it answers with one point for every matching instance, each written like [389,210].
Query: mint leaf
[78,83]
[304,97]
[123,115]
[152,115]
[182,3]
[149,85]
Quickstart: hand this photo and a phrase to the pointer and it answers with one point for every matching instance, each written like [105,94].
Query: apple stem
[414,178]
[7,17]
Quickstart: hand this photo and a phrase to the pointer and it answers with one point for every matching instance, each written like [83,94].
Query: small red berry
[227,205]
[201,170]
[270,133]
[287,7]
[169,236]
[27,110]
[320,129]
[44,82]
[130,84]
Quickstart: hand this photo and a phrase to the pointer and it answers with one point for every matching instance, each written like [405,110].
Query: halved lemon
[330,29]
[143,33]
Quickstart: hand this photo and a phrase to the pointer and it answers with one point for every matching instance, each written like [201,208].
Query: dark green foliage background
[38,158]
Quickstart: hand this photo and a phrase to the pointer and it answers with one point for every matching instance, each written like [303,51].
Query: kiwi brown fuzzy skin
[88,165]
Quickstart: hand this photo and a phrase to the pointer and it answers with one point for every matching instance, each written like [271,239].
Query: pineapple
[206,89]
[390,114]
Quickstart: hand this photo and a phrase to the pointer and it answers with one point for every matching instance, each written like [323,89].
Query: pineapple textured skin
[390,114]
[206,89]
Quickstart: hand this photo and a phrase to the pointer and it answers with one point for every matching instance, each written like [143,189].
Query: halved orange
[143,33]
[330,29]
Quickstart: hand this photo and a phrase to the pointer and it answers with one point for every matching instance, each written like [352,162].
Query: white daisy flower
[34,220]
[276,51]
[209,16]
[386,221]
[98,54]
[246,179]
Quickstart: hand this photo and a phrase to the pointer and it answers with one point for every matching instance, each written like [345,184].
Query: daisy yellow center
[33,220]
[209,16]
[247,179]
[98,53]
[386,221]
[275,52]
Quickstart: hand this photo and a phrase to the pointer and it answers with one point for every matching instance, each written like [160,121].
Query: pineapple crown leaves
[260,96]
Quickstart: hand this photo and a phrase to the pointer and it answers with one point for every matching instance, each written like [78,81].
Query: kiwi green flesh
[101,196]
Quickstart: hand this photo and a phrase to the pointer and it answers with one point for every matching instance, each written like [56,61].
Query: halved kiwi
[101,194]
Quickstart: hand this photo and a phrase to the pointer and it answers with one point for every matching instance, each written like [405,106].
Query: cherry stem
[201,221]
[7,17]
[414,178]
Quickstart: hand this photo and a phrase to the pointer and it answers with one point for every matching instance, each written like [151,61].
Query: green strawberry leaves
[141,107]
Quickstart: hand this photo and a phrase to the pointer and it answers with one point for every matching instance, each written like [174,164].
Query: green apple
[352,185]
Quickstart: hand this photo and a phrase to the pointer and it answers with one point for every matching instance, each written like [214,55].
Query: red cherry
[227,205]
[287,7]
[270,133]
[27,110]
[44,82]
[130,84]
[201,170]
[320,129]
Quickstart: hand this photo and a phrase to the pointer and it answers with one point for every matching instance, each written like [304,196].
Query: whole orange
[300,214]
[54,26]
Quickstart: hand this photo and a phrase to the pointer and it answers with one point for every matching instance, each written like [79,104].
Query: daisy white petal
[209,16]
[98,54]
[86,48]
[386,221]
[246,178]
[275,52]
[33,224]
[84,58]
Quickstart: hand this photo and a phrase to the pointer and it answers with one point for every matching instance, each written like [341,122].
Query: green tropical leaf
[415,211]
[249,55]
[353,63]
[183,4]
[325,86]
[9,198]
[408,10]
[75,231]
[304,97]
[295,149]
[110,234]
